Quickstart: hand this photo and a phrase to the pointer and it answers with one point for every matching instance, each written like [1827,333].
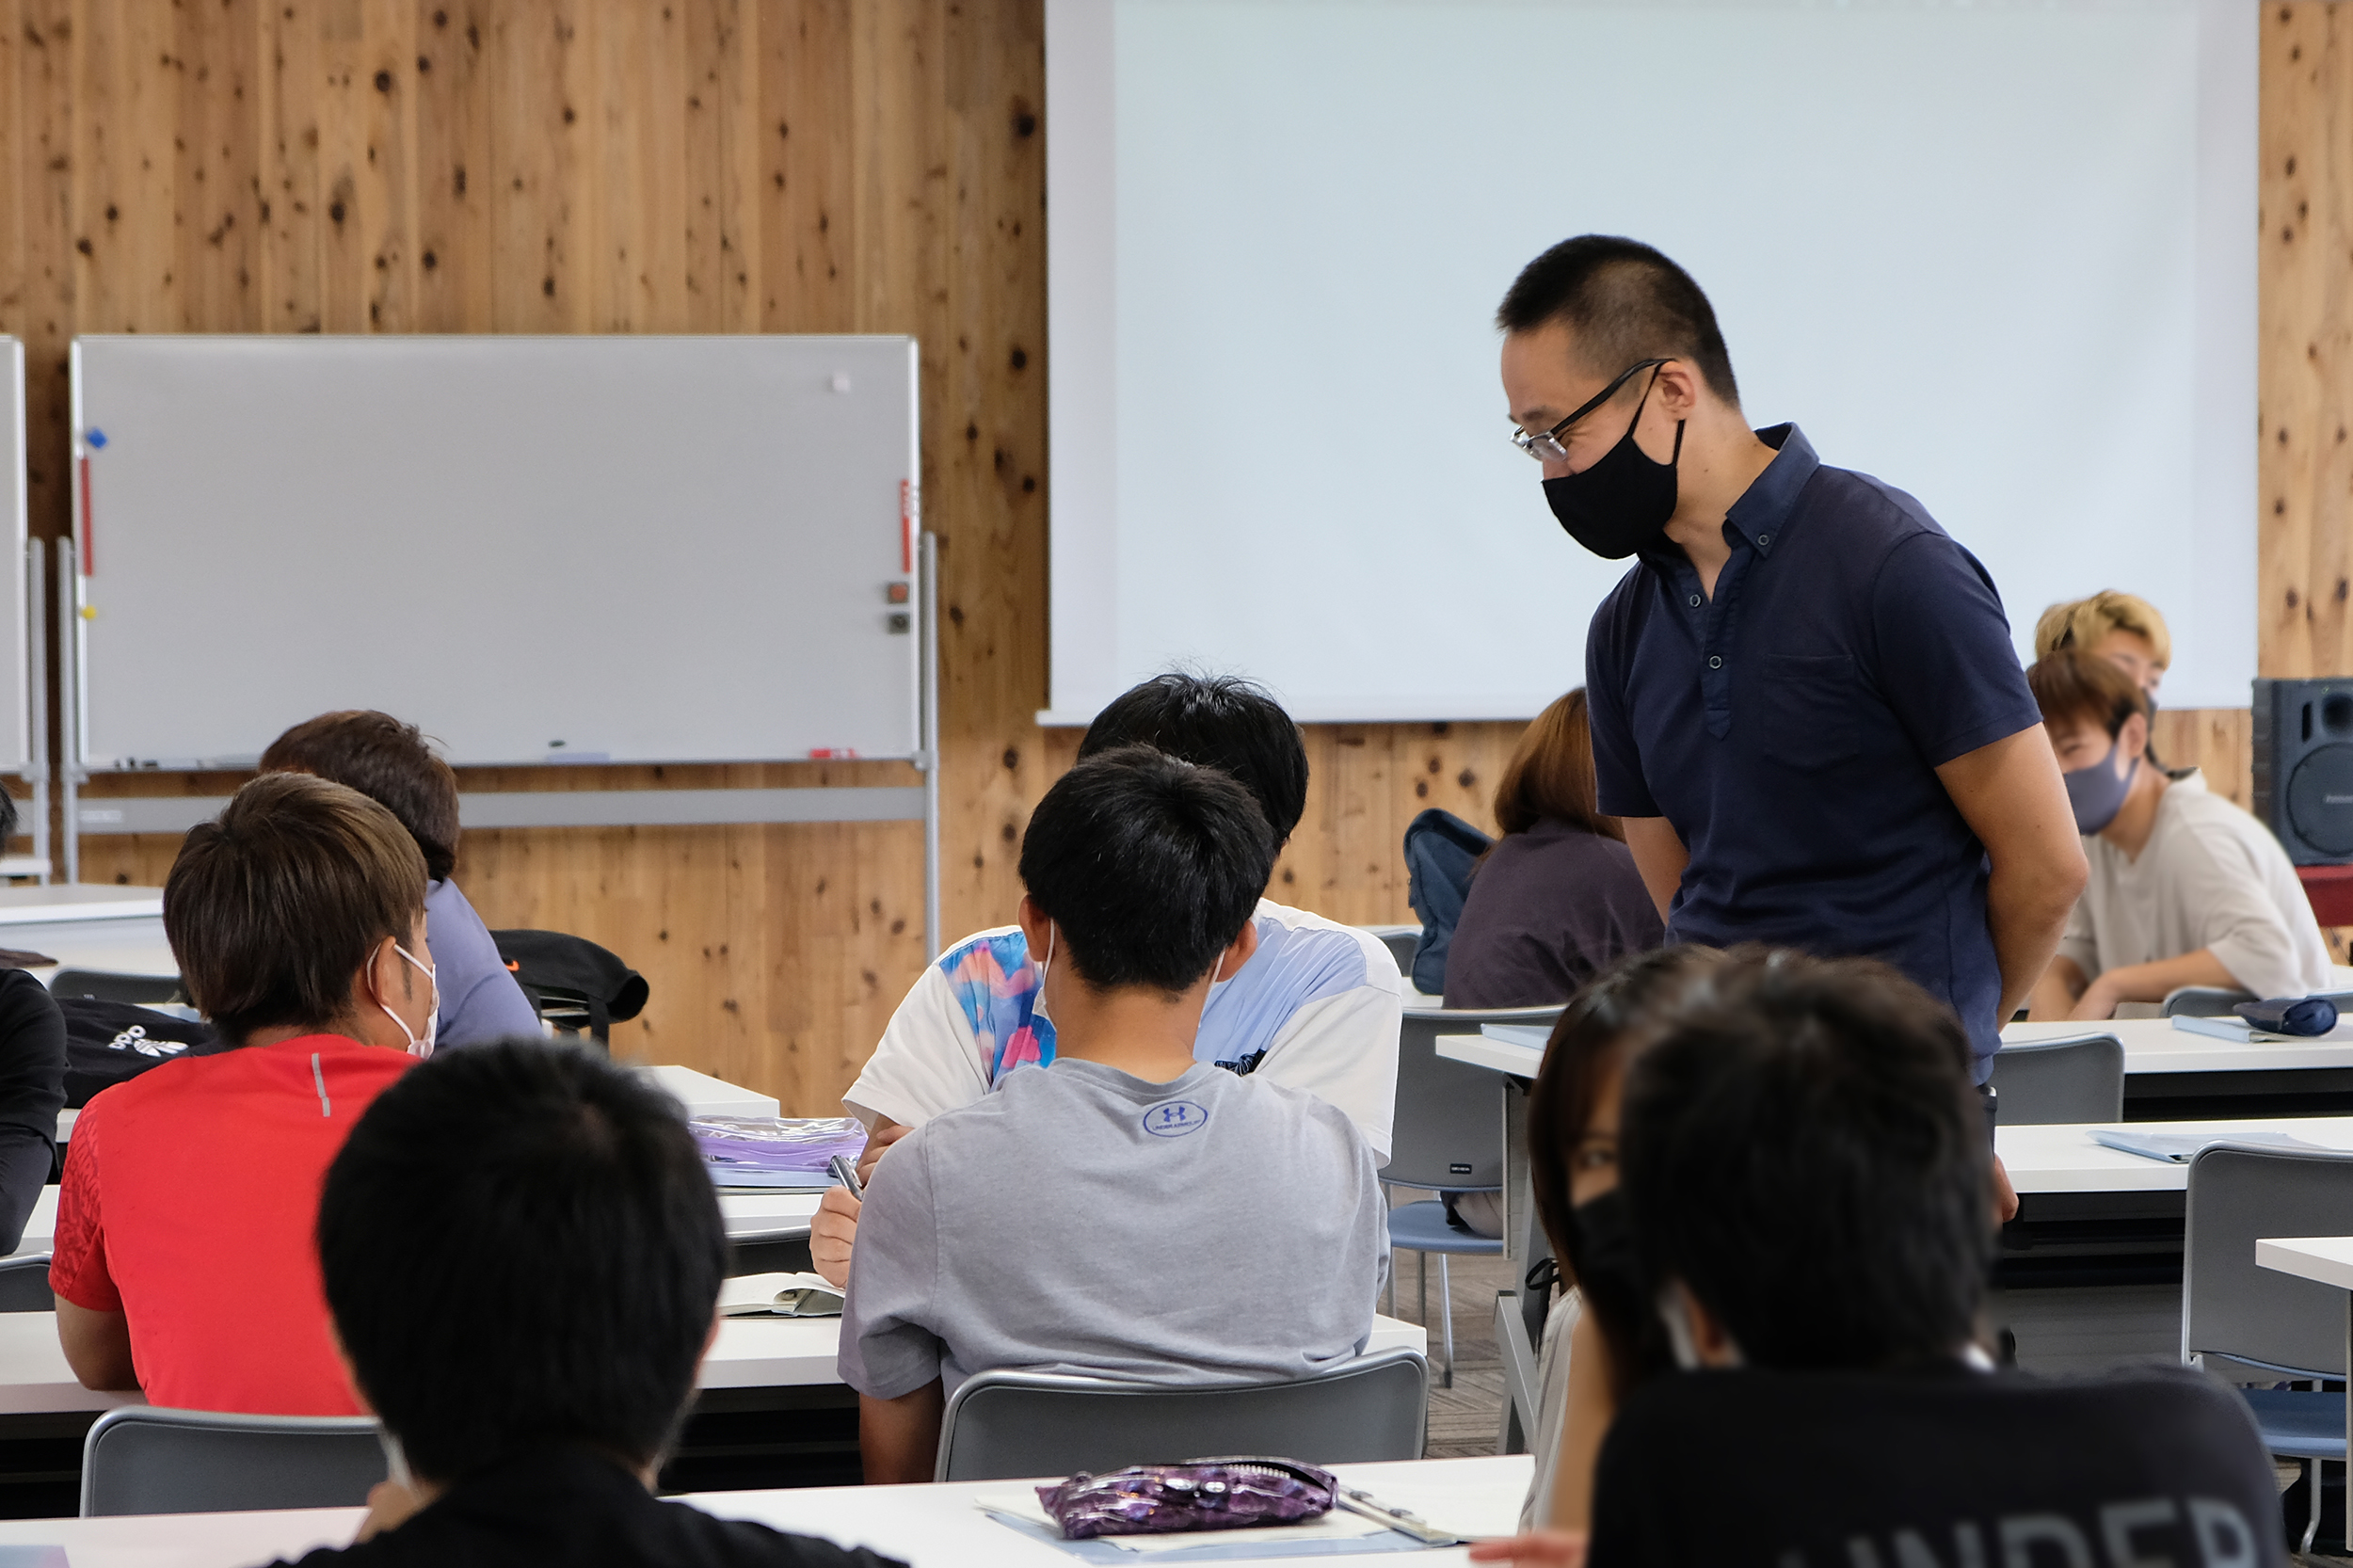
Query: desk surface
[2151,1046]
[78,900]
[2063,1158]
[2326,1258]
[767,1216]
[930,1527]
[750,1353]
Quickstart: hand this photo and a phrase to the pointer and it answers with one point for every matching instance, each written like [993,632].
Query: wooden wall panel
[815,165]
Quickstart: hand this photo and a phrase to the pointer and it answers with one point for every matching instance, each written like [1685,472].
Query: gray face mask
[2097,792]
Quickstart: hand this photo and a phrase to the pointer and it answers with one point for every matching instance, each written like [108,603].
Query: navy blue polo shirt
[1790,727]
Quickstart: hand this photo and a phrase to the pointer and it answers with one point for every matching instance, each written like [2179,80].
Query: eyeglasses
[1544,445]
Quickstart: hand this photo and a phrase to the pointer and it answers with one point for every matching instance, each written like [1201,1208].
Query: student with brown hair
[390,763]
[2186,889]
[1558,899]
[184,1261]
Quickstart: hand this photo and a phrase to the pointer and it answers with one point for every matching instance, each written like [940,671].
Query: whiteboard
[624,549]
[16,753]
[1281,229]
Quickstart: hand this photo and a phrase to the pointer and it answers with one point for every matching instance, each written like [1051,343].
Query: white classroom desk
[89,926]
[2063,1158]
[2151,1046]
[749,1353]
[749,1216]
[927,1527]
[700,1093]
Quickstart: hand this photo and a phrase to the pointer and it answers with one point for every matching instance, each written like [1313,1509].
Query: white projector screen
[2001,255]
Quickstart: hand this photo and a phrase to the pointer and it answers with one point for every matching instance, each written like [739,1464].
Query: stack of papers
[2180,1148]
[775,1153]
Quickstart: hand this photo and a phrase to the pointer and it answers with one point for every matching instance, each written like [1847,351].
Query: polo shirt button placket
[1696,601]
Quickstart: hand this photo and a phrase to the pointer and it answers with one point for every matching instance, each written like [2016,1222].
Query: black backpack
[571,982]
[108,1042]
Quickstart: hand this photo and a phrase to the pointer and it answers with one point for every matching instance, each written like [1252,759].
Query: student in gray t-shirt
[1128,1211]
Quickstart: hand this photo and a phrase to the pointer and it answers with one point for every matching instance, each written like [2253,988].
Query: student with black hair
[1129,1210]
[1811,1200]
[1316,1007]
[522,1252]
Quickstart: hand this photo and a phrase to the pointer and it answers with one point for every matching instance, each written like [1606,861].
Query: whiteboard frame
[520,808]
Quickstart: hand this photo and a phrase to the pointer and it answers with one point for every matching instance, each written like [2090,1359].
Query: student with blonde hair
[2123,629]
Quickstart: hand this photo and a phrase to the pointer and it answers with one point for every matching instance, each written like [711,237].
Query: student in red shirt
[184,1263]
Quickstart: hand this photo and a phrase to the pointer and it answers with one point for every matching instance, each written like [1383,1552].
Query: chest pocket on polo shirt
[1806,709]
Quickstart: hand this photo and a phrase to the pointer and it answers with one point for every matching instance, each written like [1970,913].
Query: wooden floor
[1463,1419]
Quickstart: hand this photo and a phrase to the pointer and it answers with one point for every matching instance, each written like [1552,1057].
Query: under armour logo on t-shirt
[1175,1118]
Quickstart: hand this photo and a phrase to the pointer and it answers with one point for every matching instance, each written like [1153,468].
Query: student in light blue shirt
[390,763]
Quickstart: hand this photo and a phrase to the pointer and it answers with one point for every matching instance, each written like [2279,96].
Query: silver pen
[1398,1519]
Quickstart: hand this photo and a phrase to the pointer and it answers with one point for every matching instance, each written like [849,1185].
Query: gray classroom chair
[24,1285]
[1446,1135]
[1400,940]
[2038,1082]
[141,1460]
[1004,1425]
[2270,1325]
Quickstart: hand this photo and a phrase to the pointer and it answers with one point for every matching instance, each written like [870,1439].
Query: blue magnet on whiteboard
[96,438]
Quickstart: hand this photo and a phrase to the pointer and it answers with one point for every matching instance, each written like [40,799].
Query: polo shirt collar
[1766,507]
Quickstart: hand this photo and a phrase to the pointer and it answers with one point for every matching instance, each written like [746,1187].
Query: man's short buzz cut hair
[1623,302]
[1149,866]
[522,1249]
[1216,721]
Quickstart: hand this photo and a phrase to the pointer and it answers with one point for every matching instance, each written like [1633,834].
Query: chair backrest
[1001,1424]
[2037,1082]
[141,1460]
[1400,940]
[2230,1305]
[2203,1001]
[1448,1129]
[25,1284]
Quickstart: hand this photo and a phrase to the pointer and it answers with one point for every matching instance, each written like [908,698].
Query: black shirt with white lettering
[1942,1468]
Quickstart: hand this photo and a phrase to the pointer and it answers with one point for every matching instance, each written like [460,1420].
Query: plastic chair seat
[2299,1424]
[1423,1227]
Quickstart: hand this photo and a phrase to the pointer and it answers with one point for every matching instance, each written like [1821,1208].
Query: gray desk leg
[1517,1316]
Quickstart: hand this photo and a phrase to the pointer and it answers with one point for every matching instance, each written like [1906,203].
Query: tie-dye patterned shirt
[1319,1005]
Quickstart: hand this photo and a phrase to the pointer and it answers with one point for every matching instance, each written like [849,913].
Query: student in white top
[2185,889]
[1317,1006]
[1129,1210]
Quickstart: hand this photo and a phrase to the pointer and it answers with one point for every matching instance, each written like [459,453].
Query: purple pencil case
[1198,1495]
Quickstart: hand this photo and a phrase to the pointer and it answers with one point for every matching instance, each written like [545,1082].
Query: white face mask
[1674,1310]
[418,1047]
[1037,1004]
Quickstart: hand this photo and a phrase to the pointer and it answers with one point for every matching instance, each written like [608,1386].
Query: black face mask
[1621,504]
[1611,1277]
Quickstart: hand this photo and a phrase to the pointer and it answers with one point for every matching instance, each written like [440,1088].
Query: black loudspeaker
[2304,767]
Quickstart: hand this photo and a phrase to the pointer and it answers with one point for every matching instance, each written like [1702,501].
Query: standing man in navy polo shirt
[1805,704]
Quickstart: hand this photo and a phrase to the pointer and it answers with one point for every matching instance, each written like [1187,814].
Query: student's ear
[1036,928]
[1699,1336]
[1238,952]
[2133,738]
